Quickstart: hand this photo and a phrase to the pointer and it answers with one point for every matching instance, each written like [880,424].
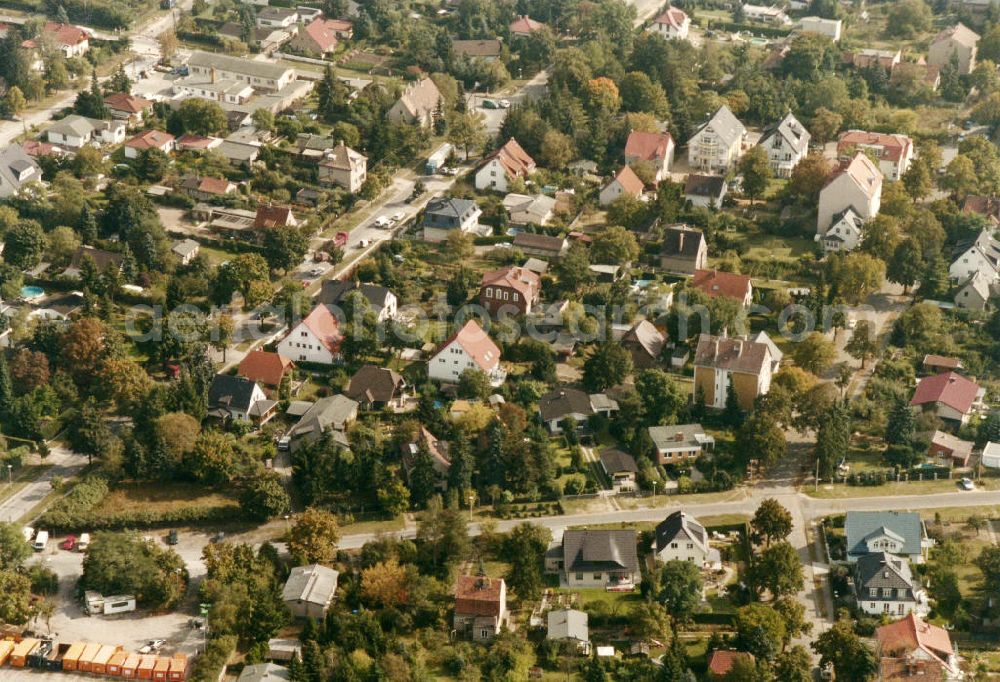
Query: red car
[69,543]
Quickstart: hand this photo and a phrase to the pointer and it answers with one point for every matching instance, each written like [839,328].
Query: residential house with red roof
[894,151]
[320,36]
[523,26]
[128,108]
[150,139]
[672,24]
[437,449]
[722,364]
[480,607]
[512,289]
[271,215]
[718,283]
[315,339]
[468,348]
[948,395]
[656,149]
[266,368]
[503,166]
[856,185]
[197,143]
[721,662]
[912,649]
[206,188]
[625,183]
[71,40]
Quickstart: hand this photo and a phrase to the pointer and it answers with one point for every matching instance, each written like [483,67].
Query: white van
[41,540]
[83,543]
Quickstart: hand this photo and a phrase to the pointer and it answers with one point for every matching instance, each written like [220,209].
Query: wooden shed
[115,663]
[19,655]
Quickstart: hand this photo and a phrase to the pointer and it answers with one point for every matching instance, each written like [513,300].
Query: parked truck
[437,159]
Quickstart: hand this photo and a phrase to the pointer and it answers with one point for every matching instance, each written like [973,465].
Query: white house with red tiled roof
[894,152]
[151,139]
[468,348]
[656,149]
[320,36]
[911,648]
[71,40]
[523,26]
[128,108]
[716,283]
[626,183]
[315,339]
[673,24]
[503,166]
[949,395]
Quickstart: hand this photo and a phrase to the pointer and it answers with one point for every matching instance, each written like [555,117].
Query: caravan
[41,540]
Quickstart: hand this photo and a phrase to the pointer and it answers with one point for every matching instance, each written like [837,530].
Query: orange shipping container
[178,668]
[85,664]
[161,669]
[145,669]
[99,666]
[115,663]
[6,646]
[129,666]
[72,658]
[19,656]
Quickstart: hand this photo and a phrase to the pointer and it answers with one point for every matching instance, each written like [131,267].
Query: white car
[398,216]
[316,272]
[967,484]
[504,103]
[382,221]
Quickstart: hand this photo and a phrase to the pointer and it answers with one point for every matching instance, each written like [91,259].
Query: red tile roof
[269,215]
[674,16]
[630,182]
[893,146]
[910,634]
[325,326]
[722,661]
[324,33]
[215,186]
[648,146]
[36,148]
[122,101]
[477,344]
[65,34]
[150,139]
[525,24]
[264,367]
[947,388]
[514,277]
[718,283]
[515,161]
[931,360]
[189,141]
[478,595]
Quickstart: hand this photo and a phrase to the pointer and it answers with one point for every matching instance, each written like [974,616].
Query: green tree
[917,179]
[285,247]
[25,244]
[573,269]
[313,537]
[760,437]
[908,18]
[201,117]
[906,264]
[467,130]
[650,620]
[474,384]
[901,427]
[760,631]
[15,607]
[615,245]
[14,102]
[833,437]
[855,276]
[213,460]
[662,399]
[608,366]
[264,497]
[815,353]
[778,570]
[862,344]
[393,496]
[850,656]
[680,588]
[119,81]
[525,548]
[793,665]
[126,563]
[756,170]
[89,433]
[808,178]
[14,549]
[770,522]
[640,93]
[444,535]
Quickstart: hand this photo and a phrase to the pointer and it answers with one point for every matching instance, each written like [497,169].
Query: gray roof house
[645,342]
[899,533]
[684,250]
[717,144]
[445,214]
[16,170]
[332,413]
[381,299]
[680,537]
[564,402]
[884,584]
[309,590]
[264,672]
[620,468]
[239,399]
[601,558]
[704,190]
[678,443]
[786,143]
[569,625]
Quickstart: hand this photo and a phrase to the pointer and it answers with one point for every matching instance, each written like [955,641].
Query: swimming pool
[29,292]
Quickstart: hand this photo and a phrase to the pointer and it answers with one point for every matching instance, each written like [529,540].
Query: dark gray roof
[881,570]
[334,291]
[332,412]
[314,584]
[791,130]
[600,550]
[859,525]
[231,392]
[374,384]
[704,185]
[562,402]
[447,206]
[615,460]
[680,525]
[680,241]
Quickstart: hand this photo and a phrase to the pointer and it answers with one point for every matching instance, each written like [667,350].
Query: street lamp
[654,488]
[10,474]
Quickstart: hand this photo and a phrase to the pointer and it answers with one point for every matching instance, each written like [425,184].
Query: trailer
[119,603]
[144,671]
[6,647]
[85,662]
[116,662]
[161,669]
[23,649]
[130,665]
[71,660]
[99,666]
[180,665]
[437,159]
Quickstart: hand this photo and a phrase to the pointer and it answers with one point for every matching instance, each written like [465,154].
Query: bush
[208,666]
[43,580]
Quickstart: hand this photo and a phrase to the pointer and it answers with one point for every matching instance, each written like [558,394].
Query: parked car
[398,216]
[218,537]
[490,104]
[284,443]
[967,484]
[152,646]
[316,272]
[69,544]
[84,542]
[504,104]
[382,222]
[172,537]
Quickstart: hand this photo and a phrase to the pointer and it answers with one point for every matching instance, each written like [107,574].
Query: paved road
[65,464]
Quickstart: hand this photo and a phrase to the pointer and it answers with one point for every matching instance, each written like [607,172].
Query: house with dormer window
[899,533]
[885,584]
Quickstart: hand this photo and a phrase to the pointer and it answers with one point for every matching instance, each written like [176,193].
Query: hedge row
[92,520]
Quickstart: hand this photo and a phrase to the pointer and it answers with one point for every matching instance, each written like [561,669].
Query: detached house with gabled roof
[884,584]
[79,131]
[982,256]
[845,233]
[271,216]
[71,40]
[564,402]
[894,152]
[625,183]
[309,590]
[266,368]
[330,415]
[503,166]
[672,24]
[376,387]
[684,250]
[150,139]
[480,607]
[912,649]
[523,26]
[16,170]
[722,364]
[705,191]
[857,185]
[600,558]
[976,292]
[319,37]
[236,398]
[420,103]
[512,289]
[899,533]
[316,339]
[715,283]
[718,143]
[128,108]
[444,215]
[680,537]
[679,443]
[380,299]
[656,149]
[343,167]
[958,42]
[438,451]
[949,395]
[645,343]
[786,143]
[468,348]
